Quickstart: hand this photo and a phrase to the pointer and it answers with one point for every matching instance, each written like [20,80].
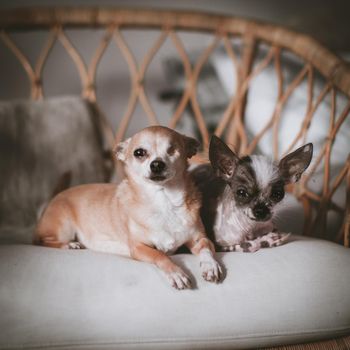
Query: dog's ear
[191,146]
[120,148]
[294,164]
[222,159]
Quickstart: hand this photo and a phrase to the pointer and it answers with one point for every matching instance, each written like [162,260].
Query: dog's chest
[169,221]
[231,225]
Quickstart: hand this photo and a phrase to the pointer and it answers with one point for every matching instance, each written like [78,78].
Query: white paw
[282,238]
[274,239]
[75,245]
[228,248]
[179,280]
[211,270]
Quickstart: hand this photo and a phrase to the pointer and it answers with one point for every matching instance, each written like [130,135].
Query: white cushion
[59,298]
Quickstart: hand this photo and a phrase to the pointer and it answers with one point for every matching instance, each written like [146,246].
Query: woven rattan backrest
[231,126]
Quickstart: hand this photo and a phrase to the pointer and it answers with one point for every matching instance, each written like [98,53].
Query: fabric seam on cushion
[332,332]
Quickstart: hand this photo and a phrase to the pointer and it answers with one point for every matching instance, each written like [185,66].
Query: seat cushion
[70,299]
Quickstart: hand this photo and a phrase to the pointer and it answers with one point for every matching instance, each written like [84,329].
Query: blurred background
[164,82]
[325,20]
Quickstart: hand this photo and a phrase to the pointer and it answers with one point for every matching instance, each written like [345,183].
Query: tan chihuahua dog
[150,214]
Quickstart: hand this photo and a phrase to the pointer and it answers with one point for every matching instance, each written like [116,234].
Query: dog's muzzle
[261,212]
[157,170]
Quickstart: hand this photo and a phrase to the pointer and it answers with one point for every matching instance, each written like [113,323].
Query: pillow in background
[39,142]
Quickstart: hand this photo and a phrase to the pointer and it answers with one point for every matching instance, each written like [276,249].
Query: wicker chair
[316,61]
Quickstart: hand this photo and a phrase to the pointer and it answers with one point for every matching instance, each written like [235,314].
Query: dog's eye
[171,150]
[139,153]
[242,193]
[277,194]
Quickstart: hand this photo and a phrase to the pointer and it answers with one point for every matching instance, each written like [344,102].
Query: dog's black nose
[157,166]
[261,212]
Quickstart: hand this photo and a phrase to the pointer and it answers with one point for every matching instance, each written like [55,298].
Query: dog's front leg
[204,248]
[267,240]
[273,239]
[247,246]
[176,276]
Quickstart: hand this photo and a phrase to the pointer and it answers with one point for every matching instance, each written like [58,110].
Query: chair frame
[335,71]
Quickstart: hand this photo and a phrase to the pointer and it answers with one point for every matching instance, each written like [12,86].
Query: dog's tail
[62,184]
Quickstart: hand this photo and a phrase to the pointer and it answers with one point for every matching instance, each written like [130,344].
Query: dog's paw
[178,279]
[211,271]
[75,245]
[229,248]
[274,239]
[244,247]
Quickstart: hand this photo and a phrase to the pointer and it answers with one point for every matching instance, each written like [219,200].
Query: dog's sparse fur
[240,195]
[150,214]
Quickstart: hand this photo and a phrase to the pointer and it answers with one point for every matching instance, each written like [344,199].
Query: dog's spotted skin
[269,240]
[242,195]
